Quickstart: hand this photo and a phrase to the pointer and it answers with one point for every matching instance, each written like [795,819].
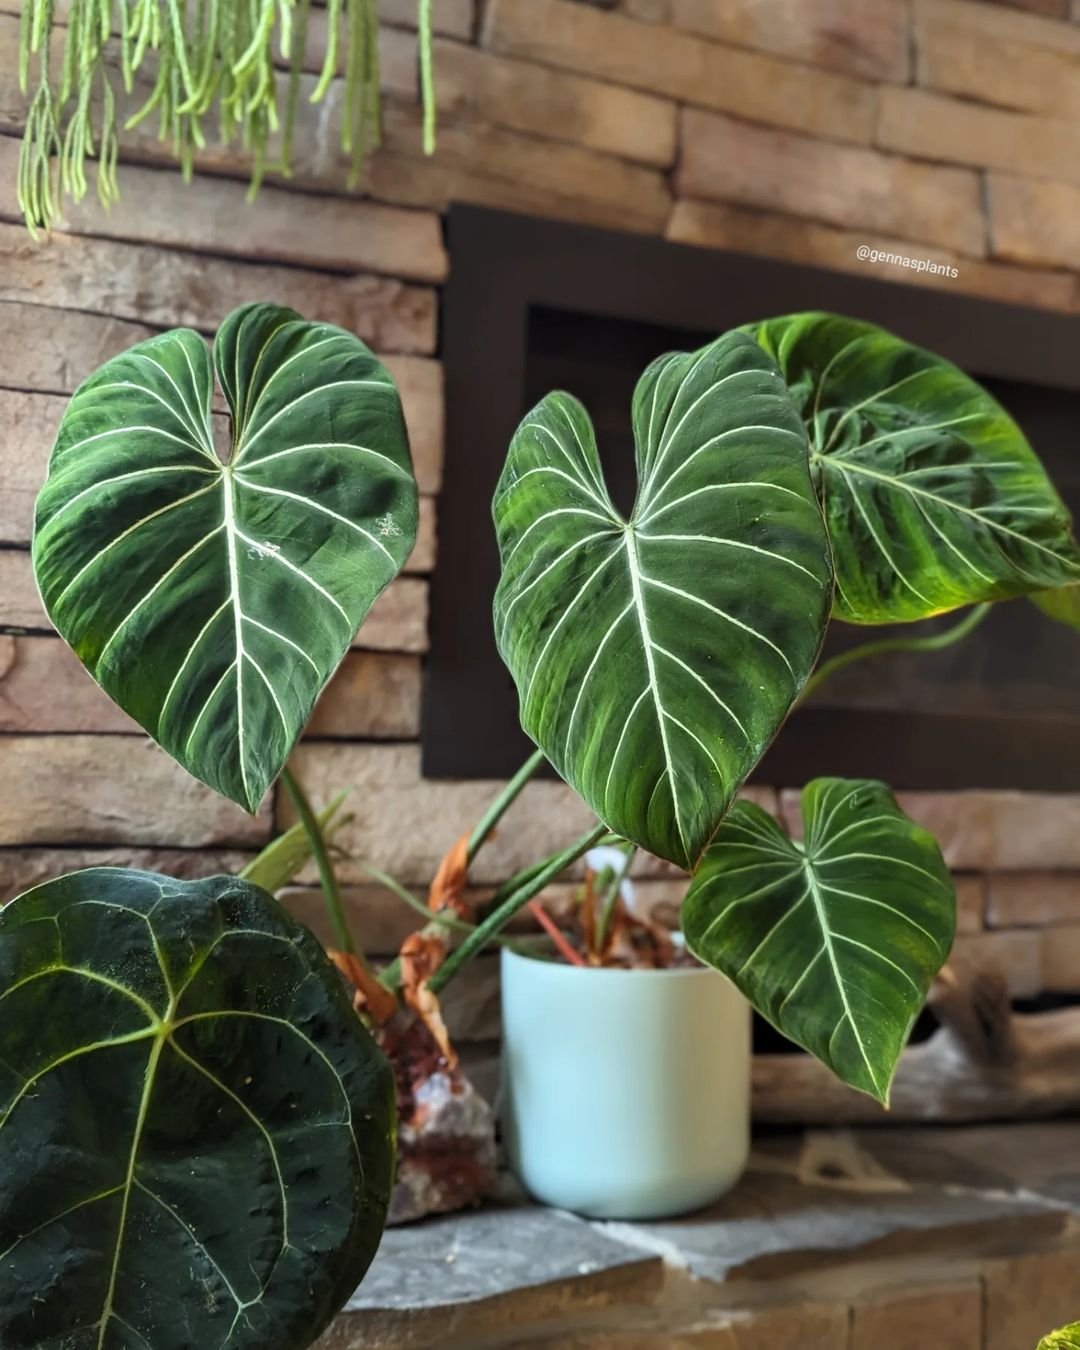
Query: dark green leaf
[212,601]
[932,495]
[656,658]
[196,1132]
[835,940]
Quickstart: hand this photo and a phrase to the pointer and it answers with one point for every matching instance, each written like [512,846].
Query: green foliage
[655,658]
[835,940]
[932,495]
[206,59]
[213,601]
[1068,1338]
[196,1131]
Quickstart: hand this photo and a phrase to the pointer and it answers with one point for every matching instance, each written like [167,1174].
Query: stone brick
[420,384]
[371,694]
[20,604]
[1000,22]
[1033,899]
[43,687]
[945,1317]
[405,823]
[453,17]
[958,56]
[493,166]
[763,234]
[422,558]
[112,790]
[970,903]
[336,233]
[682,66]
[1054,9]
[933,126]
[398,620]
[22,868]
[732,161]
[1016,952]
[554,104]
[53,350]
[171,289]
[1033,220]
[786,1326]
[1027,1296]
[1061,958]
[867,38]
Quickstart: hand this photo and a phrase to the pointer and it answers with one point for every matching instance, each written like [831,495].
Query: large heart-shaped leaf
[835,940]
[933,497]
[655,658]
[196,1131]
[213,601]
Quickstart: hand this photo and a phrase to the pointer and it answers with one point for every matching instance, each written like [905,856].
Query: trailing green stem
[327,876]
[932,642]
[497,809]
[502,913]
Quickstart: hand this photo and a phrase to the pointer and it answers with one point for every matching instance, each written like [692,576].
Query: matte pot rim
[563,969]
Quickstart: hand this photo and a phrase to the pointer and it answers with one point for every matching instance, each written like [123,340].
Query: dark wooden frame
[501,267]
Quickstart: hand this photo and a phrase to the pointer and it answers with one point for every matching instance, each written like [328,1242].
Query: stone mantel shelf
[914,1239]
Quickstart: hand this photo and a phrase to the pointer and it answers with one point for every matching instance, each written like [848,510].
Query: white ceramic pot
[625,1093]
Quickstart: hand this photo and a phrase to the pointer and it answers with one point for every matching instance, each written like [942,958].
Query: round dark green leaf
[932,495]
[196,1132]
[213,601]
[656,657]
[834,939]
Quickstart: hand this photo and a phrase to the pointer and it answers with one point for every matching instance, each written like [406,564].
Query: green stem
[502,913]
[933,642]
[444,920]
[327,876]
[497,809]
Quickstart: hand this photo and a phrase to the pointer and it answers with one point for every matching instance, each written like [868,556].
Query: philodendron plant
[195,1129]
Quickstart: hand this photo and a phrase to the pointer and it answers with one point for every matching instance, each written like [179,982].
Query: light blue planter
[626,1093]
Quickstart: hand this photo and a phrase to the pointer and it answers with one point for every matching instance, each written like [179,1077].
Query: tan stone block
[53,350]
[1027,1296]
[1061,958]
[420,383]
[422,558]
[933,126]
[1033,899]
[20,604]
[959,57]
[405,824]
[371,694]
[1033,220]
[1016,952]
[44,687]
[944,1317]
[453,17]
[172,289]
[398,620]
[336,233]
[743,230]
[23,868]
[970,903]
[663,60]
[1000,23]
[492,166]
[843,185]
[30,422]
[112,790]
[554,104]
[867,38]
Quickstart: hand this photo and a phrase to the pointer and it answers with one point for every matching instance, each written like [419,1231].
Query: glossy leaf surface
[196,1132]
[656,657]
[932,495]
[213,601]
[836,939]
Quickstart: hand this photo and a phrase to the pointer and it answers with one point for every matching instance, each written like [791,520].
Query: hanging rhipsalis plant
[238,63]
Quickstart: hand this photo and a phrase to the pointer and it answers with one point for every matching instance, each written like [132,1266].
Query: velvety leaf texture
[836,939]
[213,601]
[655,658]
[932,495]
[196,1131]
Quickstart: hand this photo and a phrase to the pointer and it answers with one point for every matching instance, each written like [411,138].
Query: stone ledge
[832,1240]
